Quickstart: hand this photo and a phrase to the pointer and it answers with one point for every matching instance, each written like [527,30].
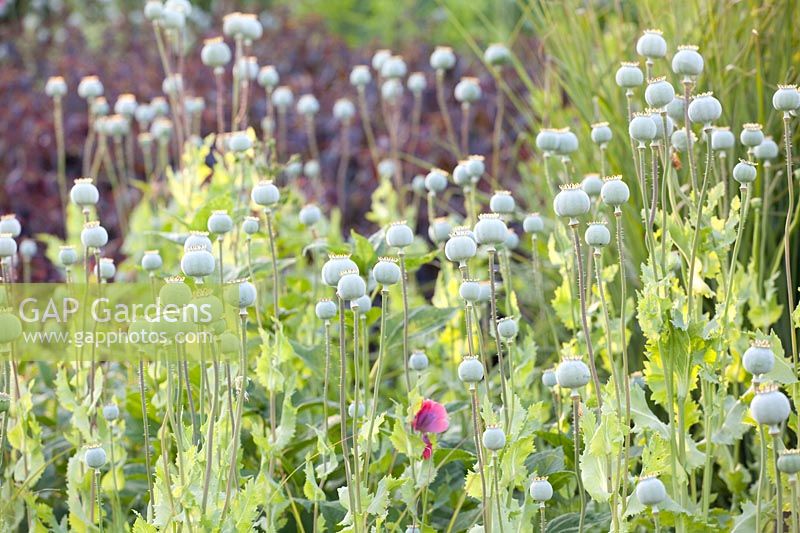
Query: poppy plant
[431,417]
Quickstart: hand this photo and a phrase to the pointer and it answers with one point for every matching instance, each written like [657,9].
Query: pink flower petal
[431,418]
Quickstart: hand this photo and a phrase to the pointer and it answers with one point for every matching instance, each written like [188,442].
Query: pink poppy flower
[431,417]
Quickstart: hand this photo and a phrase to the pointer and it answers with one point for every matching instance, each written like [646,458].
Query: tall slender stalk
[341,172]
[584,318]
[343,411]
[473,391]
[363,110]
[576,440]
[498,344]
[237,421]
[464,146]
[762,468]
[775,433]
[378,375]
[442,102]
[497,134]
[404,288]
[787,249]
[61,157]
[624,352]
[698,222]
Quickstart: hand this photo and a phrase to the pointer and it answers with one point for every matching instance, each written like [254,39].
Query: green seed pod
[90,87]
[229,343]
[497,55]
[215,53]
[239,142]
[362,304]
[282,98]
[512,240]
[268,77]
[751,135]
[153,10]
[659,93]
[442,58]
[417,83]
[494,438]
[567,142]
[8,246]
[344,110]
[360,76]
[470,290]
[651,45]
[629,75]
[418,361]
[759,358]
[55,87]
[744,172]
[356,412]
[592,184]
[161,129]
[250,225]
[470,370]
[399,235]
[615,192]
[468,90]
[84,193]
[547,140]
[597,235]
[642,128]
[770,406]
[110,412]
[767,150]
[265,194]
[705,109]
[650,491]
[175,292]
[676,109]
[533,223]
[439,230]
[218,327]
[722,139]
[94,235]
[197,262]
[687,61]
[105,269]
[333,268]
[240,293]
[386,271]
[571,201]
[94,456]
[220,222]
[393,67]
[351,285]
[307,105]
[572,373]
[789,461]
[325,309]
[502,202]
[540,490]
[490,229]
[310,215]
[10,327]
[601,134]
[151,261]
[786,98]
[67,255]
[507,328]
[209,308]
[475,166]
[549,378]
[461,246]
[679,140]
[436,180]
